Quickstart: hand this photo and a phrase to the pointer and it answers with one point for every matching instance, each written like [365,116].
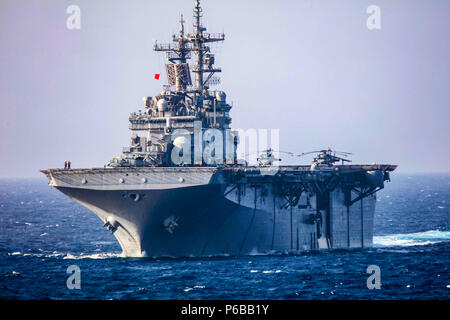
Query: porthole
[121,180]
[144,180]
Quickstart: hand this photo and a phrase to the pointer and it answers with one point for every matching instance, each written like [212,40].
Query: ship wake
[411,239]
[68,256]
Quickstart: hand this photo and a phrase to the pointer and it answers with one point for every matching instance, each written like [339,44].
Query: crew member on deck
[68,165]
[65,164]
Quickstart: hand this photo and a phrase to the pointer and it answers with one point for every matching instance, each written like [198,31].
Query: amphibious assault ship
[179,189]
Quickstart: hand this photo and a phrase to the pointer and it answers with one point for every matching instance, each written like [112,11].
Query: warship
[179,190]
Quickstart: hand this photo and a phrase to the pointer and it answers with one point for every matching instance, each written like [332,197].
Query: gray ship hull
[165,212]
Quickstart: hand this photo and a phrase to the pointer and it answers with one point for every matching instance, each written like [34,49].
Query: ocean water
[42,233]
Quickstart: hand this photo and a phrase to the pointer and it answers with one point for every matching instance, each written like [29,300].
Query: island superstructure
[179,189]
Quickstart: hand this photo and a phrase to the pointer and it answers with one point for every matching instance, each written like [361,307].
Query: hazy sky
[310,68]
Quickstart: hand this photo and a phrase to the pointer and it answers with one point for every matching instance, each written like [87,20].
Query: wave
[68,256]
[411,239]
[94,256]
[392,240]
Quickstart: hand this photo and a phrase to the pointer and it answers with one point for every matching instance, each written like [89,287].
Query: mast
[198,45]
[204,60]
[180,51]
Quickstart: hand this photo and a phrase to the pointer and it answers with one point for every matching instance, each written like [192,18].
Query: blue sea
[42,233]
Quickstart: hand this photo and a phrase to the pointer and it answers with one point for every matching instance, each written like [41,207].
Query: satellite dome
[162,104]
[179,142]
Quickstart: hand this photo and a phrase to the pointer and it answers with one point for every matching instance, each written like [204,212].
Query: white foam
[56,254]
[411,239]
[102,242]
[95,256]
[271,271]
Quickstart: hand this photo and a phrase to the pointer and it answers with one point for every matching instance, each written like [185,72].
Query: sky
[311,69]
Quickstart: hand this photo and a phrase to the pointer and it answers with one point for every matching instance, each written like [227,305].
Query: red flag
[157,76]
